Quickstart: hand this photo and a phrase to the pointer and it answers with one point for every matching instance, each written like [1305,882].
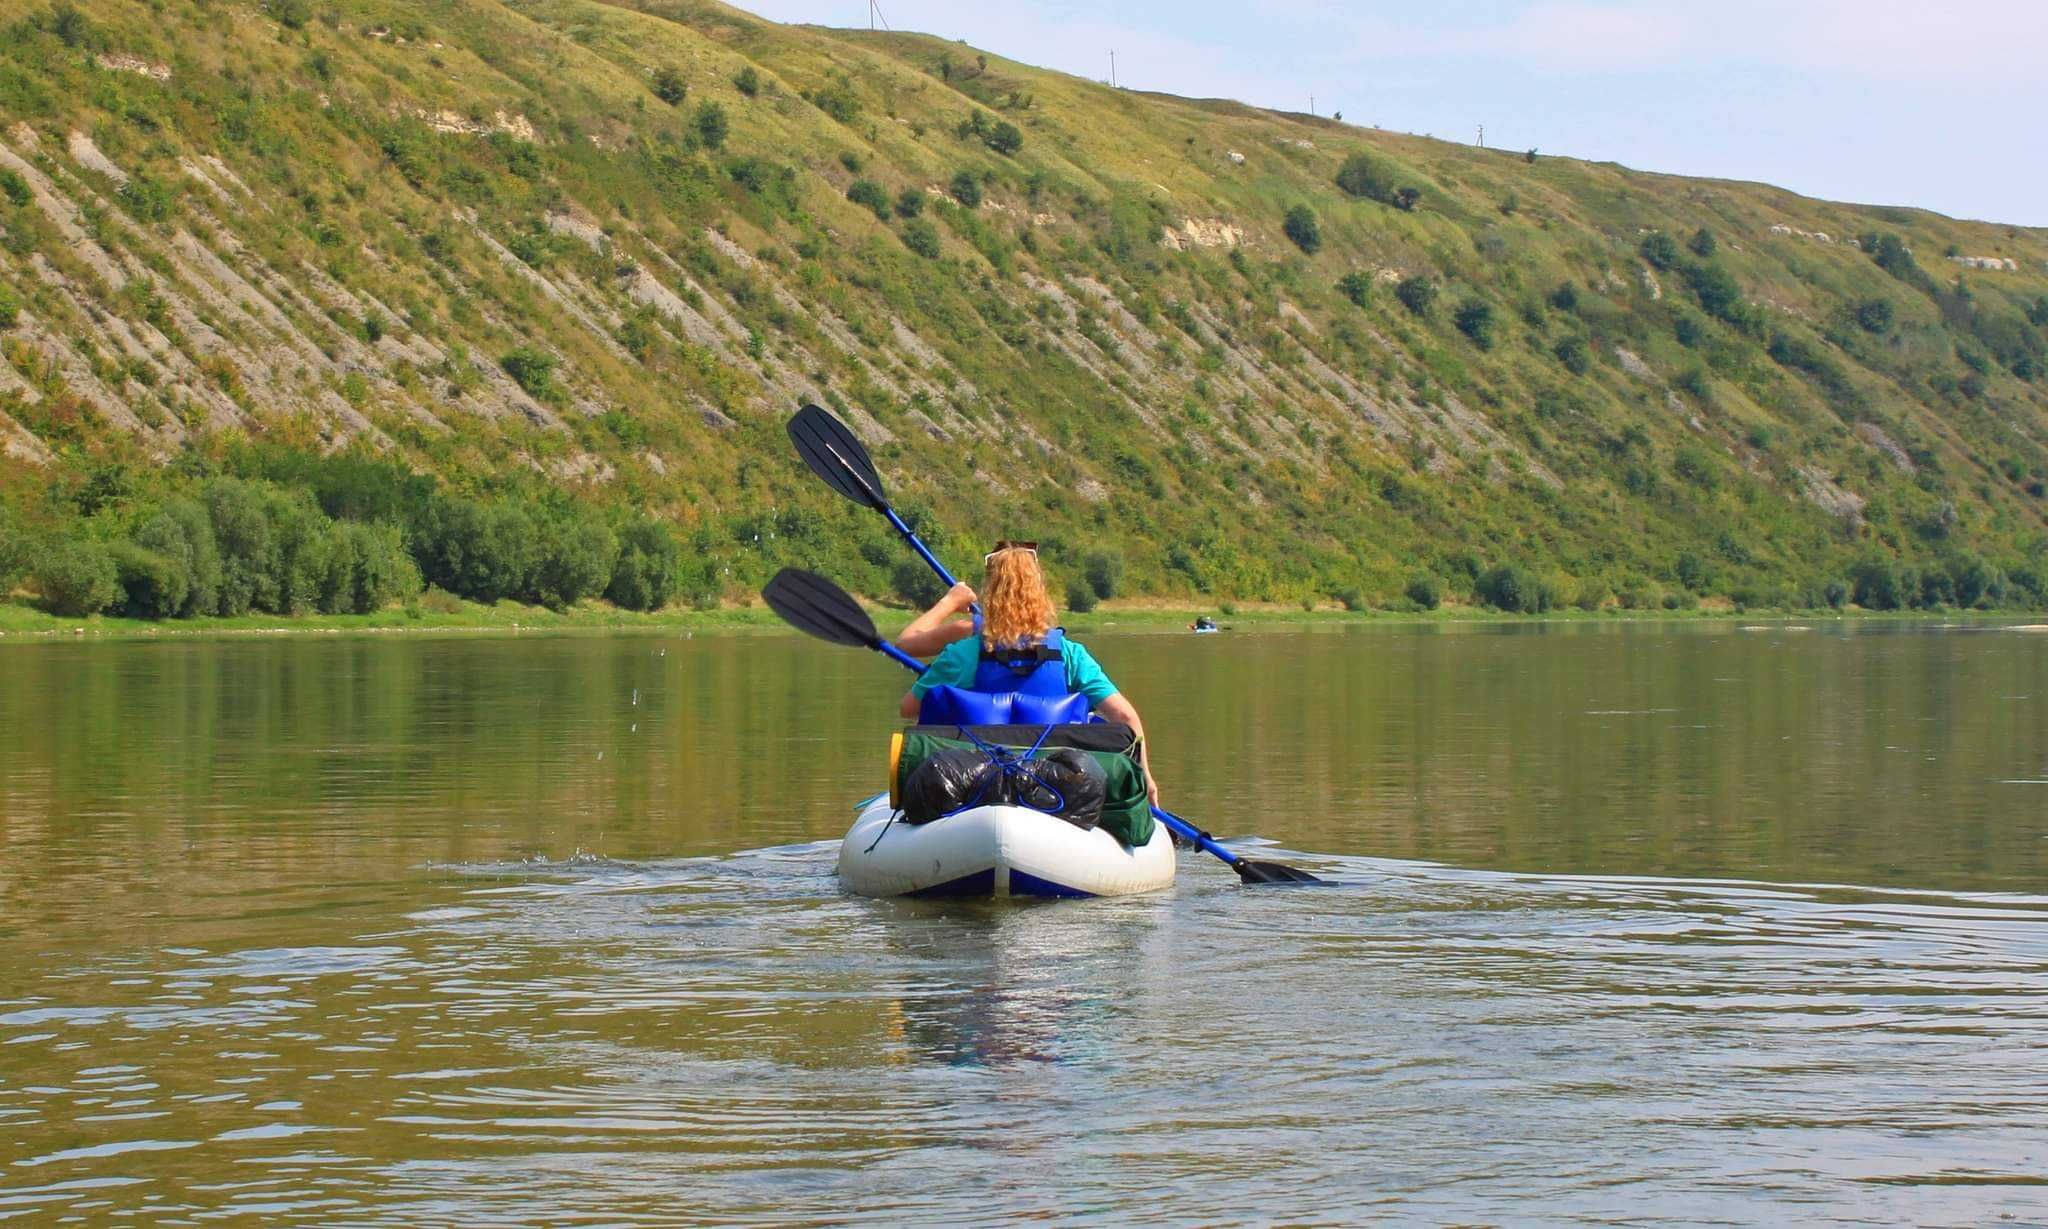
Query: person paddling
[1020,653]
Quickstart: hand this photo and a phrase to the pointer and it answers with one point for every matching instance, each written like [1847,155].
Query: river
[1629,922]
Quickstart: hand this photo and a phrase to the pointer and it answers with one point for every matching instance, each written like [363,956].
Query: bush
[910,203]
[1695,466]
[1406,199]
[1080,598]
[15,187]
[1835,593]
[913,584]
[712,126]
[183,532]
[1875,584]
[1716,290]
[920,236]
[483,552]
[1874,315]
[1104,571]
[868,193]
[1475,320]
[14,551]
[670,87]
[1301,226]
[1005,138]
[248,556]
[1416,293]
[645,576]
[1659,249]
[1366,177]
[1513,589]
[1703,244]
[747,81]
[1575,354]
[1356,287]
[1425,590]
[574,559]
[966,189]
[10,308]
[77,577]
[152,585]
[1565,298]
[292,14]
[532,369]
[367,569]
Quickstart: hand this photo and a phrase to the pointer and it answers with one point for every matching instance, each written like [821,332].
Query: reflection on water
[452,931]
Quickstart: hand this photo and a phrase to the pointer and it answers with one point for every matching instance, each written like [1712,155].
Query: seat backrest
[946,705]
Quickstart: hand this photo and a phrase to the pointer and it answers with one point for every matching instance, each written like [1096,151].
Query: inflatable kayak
[996,851]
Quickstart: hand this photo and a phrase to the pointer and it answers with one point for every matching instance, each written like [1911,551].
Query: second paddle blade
[810,603]
[1271,872]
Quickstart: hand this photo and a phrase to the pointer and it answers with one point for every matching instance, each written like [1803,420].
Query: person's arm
[1116,708]
[931,631]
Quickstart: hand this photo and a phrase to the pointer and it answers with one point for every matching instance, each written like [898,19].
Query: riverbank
[22,621]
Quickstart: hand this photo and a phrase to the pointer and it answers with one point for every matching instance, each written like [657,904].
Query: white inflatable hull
[996,851]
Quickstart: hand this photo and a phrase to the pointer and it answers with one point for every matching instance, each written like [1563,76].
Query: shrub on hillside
[77,577]
[532,369]
[153,586]
[10,308]
[1080,598]
[1717,290]
[868,193]
[966,189]
[920,236]
[1574,354]
[747,81]
[1416,293]
[15,188]
[1366,177]
[711,125]
[670,86]
[573,559]
[1356,287]
[645,576]
[1659,249]
[1406,199]
[1874,315]
[1474,319]
[1104,571]
[1565,297]
[1005,138]
[1300,225]
[913,584]
[910,203]
[1425,590]
[1513,589]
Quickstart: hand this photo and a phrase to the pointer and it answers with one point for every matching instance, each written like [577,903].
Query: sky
[1941,104]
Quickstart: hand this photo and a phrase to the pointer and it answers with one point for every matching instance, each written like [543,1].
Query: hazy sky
[1936,103]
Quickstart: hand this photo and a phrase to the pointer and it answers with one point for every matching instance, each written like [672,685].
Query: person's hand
[1151,787]
[961,596]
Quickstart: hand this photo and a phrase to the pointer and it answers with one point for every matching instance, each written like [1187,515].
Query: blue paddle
[816,606]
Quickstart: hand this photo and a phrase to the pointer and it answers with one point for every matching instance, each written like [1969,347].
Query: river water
[1643,923]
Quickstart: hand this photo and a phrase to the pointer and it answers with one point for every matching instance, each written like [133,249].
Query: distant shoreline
[21,623]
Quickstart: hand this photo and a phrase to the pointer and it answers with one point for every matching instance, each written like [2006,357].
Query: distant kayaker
[1017,622]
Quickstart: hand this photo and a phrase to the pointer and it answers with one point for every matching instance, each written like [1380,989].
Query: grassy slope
[1231,421]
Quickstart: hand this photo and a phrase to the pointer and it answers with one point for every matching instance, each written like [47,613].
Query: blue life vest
[1012,686]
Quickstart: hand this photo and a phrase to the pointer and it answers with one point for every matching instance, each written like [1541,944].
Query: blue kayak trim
[1022,884]
[980,883]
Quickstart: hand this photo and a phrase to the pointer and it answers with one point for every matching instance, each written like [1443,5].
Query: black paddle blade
[810,603]
[1271,872]
[835,454]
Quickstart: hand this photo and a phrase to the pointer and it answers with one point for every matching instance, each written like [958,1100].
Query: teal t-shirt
[956,663]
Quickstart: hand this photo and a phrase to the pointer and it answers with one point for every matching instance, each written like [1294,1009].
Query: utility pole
[1112,68]
[875,14]
[1311,104]
[1482,136]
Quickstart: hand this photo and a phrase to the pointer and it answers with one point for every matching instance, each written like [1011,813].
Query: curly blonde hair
[1015,608]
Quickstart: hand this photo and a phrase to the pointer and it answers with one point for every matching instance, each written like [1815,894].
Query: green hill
[574,262]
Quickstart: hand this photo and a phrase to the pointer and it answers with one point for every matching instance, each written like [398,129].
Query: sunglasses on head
[1006,544]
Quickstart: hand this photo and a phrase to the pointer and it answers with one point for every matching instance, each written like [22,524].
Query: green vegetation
[526,292]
